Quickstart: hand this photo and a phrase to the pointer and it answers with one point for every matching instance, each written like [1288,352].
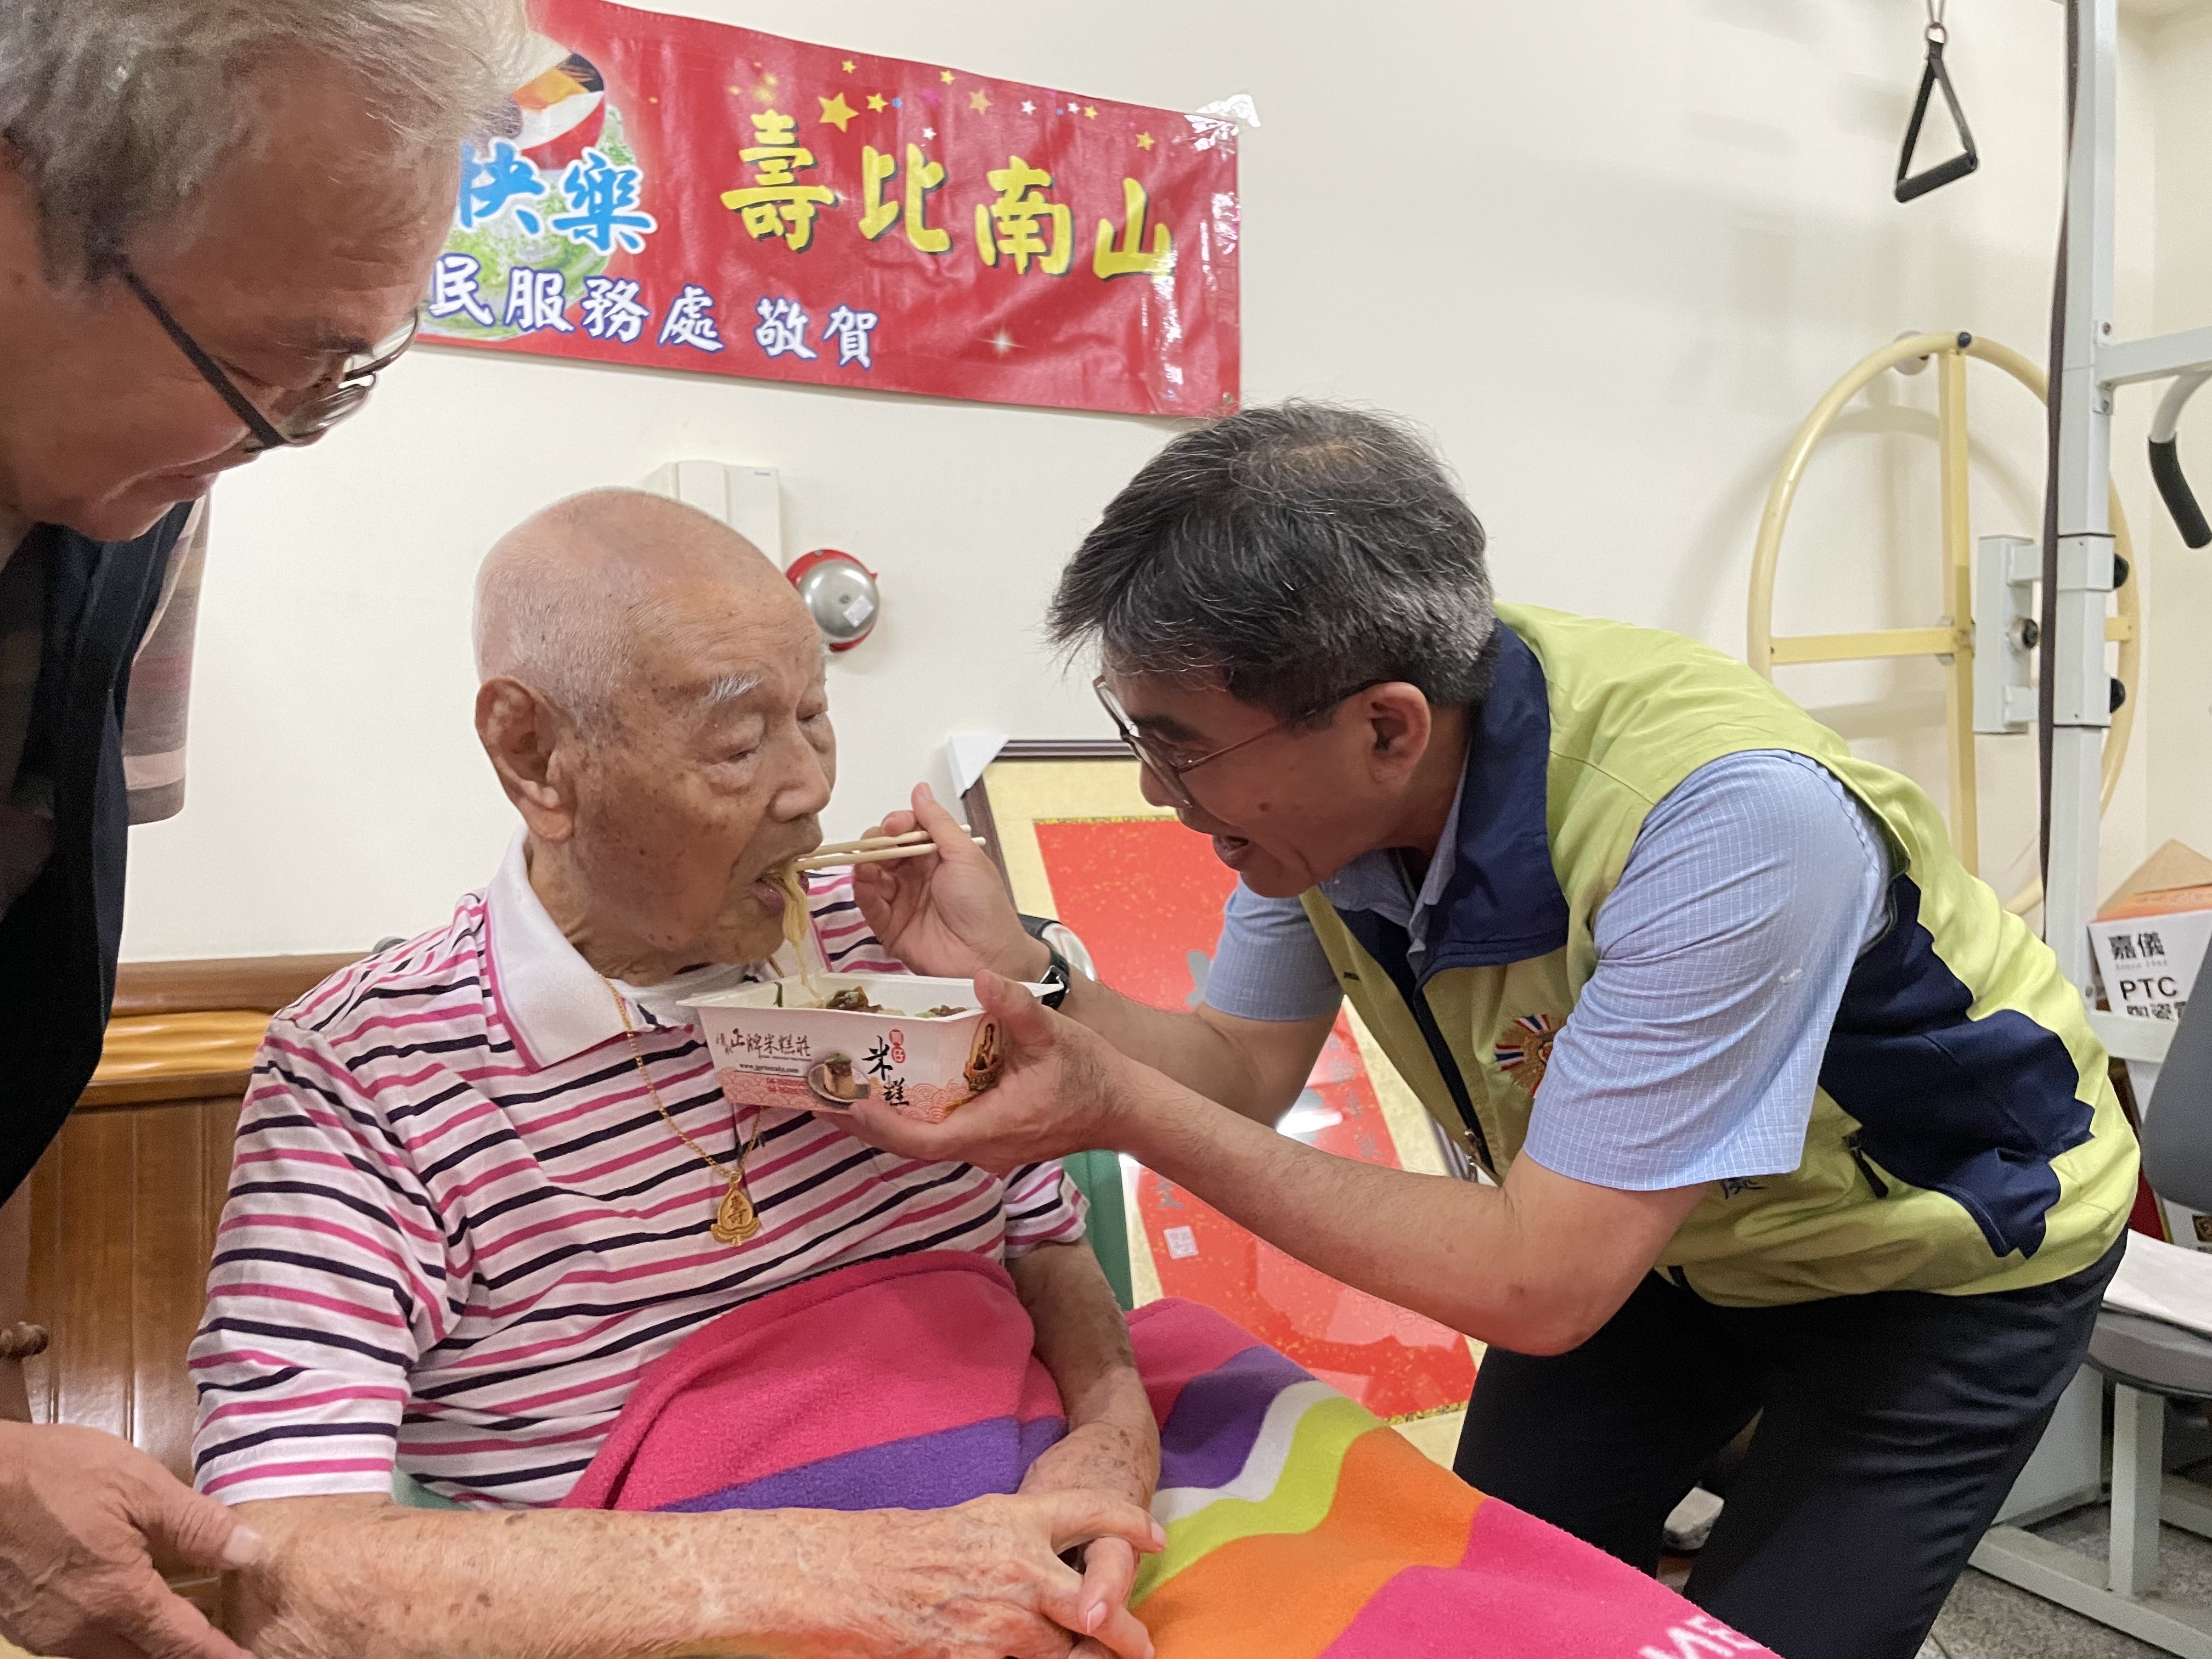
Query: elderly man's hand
[948,914]
[1062,1090]
[78,1512]
[984,1580]
[1102,1456]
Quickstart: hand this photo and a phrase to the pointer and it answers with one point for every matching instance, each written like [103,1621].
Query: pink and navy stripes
[451,1251]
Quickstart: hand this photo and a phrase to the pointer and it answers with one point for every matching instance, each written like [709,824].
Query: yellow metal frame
[1951,641]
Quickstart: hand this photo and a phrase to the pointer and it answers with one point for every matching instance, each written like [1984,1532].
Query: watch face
[1056,975]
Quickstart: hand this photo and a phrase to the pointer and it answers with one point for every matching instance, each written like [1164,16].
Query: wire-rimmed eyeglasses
[1170,770]
[320,408]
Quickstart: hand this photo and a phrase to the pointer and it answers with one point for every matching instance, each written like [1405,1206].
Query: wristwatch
[1057,970]
[1056,974]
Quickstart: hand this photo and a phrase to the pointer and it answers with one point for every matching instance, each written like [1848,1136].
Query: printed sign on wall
[688,195]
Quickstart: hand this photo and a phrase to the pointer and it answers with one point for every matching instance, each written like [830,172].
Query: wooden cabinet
[124,1203]
[124,1208]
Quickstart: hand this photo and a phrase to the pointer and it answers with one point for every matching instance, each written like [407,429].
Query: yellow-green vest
[1964,1136]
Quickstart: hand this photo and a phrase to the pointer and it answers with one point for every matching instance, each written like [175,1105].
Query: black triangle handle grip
[1942,174]
[1910,183]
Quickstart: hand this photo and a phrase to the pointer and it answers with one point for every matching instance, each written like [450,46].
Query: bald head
[655,701]
[576,601]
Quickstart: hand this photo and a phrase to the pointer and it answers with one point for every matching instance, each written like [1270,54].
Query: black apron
[59,940]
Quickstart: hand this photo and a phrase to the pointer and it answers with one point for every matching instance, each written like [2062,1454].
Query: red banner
[688,195]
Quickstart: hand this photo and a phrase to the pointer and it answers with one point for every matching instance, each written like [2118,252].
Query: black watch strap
[1057,974]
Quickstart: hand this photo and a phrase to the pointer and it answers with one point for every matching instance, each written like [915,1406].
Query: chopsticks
[872,849]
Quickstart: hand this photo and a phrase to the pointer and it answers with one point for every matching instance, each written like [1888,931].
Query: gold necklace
[735,1218]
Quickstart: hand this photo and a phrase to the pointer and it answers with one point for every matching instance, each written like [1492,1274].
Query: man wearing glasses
[1780,1115]
[214,225]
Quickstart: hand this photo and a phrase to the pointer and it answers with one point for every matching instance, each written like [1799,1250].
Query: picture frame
[1067,824]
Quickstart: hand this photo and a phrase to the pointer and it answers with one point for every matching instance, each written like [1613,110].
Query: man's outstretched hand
[946,913]
[80,1511]
[1065,1089]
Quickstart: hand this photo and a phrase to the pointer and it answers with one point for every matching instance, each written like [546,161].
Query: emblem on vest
[1526,1049]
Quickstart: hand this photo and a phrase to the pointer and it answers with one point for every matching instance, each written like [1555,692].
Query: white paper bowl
[774,1045]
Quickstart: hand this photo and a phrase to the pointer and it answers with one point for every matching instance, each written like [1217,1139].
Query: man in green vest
[1779,1114]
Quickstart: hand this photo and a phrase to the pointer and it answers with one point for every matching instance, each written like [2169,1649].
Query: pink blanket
[1299,1526]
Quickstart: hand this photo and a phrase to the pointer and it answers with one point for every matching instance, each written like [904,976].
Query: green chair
[412,1494]
[1098,1176]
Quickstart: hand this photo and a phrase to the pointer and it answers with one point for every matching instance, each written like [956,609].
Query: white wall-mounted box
[745,498]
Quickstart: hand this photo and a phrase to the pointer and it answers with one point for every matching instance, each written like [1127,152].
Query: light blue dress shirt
[1722,952]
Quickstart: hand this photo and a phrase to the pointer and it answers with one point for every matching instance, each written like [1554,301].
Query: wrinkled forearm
[1185,1045]
[347,1577]
[1084,1341]
[1535,1265]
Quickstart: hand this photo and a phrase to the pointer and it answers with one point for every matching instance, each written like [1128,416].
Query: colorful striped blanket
[1299,1526]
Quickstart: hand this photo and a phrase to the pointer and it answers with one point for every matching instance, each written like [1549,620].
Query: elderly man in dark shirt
[214,225]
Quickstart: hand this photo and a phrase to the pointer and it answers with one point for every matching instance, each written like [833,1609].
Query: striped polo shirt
[458,1227]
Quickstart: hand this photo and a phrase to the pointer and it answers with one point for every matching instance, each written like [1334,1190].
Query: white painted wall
[2180,703]
[1611,253]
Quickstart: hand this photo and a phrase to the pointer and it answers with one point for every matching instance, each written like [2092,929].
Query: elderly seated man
[476,1174]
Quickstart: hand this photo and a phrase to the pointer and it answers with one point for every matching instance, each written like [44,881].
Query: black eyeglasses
[321,406]
[1168,768]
